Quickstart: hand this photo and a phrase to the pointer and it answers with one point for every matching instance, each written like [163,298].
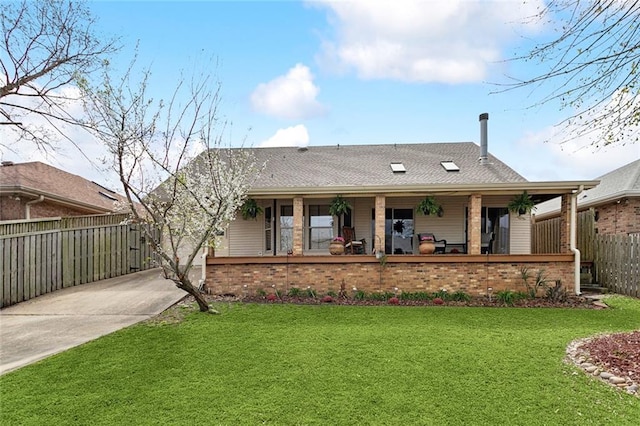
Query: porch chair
[486,242]
[351,244]
[441,245]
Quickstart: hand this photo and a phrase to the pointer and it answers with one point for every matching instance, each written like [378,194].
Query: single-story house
[36,190]
[288,243]
[616,202]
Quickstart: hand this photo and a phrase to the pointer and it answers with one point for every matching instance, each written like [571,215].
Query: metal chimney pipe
[484,150]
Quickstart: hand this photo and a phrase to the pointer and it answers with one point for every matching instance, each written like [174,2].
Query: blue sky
[359,72]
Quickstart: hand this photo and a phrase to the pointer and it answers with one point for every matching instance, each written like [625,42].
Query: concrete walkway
[55,322]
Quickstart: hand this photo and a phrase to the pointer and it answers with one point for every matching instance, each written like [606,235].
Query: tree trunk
[185,284]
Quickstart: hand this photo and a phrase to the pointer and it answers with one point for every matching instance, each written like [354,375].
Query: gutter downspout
[572,240]
[27,206]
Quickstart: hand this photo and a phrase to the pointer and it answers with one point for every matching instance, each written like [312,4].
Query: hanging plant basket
[521,204]
[339,206]
[429,206]
[250,209]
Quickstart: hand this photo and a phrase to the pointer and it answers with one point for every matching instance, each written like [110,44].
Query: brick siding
[619,218]
[12,209]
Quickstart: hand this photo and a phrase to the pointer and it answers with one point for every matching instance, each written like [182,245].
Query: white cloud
[572,160]
[78,152]
[449,41]
[291,96]
[291,136]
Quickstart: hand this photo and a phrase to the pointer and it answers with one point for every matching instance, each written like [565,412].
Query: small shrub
[442,294]
[460,296]
[332,293]
[438,301]
[260,292]
[419,295]
[378,297]
[271,297]
[309,292]
[359,295]
[393,301]
[294,292]
[327,299]
[509,297]
[557,293]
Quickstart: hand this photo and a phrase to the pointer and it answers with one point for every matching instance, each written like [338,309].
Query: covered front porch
[288,245]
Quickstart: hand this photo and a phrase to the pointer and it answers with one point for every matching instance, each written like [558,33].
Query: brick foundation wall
[472,277]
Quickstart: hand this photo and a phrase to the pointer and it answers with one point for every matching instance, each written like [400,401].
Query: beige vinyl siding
[244,237]
[450,226]
[362,208]
[520,238]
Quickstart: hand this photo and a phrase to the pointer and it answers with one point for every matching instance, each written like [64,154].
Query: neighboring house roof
[619,183]
[35,179]
[358,169]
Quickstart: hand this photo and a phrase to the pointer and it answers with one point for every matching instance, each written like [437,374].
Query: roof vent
[303,149]
[398,168]
[7,163]
[107,196]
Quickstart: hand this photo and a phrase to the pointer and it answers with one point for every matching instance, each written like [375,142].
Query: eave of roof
[33,192]
[552,188]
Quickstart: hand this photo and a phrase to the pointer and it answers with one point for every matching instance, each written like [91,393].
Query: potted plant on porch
[336,246]
[427,244]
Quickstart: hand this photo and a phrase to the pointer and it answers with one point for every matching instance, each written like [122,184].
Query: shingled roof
[370,165]
[619,183]
[36,178]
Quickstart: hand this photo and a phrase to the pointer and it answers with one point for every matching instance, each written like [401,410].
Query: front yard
[326,364]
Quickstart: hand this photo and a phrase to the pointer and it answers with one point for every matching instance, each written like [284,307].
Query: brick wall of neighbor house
[11,209]
[619,218]
[473,278]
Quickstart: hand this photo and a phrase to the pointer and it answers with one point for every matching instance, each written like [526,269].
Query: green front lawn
[331,365]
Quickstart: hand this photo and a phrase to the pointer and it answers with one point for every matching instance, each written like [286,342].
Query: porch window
[320,227]
[286,228]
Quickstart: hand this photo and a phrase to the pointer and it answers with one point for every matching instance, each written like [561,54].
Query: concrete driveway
[55,322]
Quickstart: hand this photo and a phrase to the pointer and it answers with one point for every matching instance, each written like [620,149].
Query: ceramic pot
[427,247]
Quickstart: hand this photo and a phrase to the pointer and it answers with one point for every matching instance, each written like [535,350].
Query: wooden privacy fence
[545,235]
[39,262]
[617,263]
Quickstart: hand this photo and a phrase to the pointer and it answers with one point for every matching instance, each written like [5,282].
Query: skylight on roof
[398,168]
[450,166]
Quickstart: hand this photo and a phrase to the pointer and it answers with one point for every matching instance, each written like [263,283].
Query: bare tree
[188,198]
[46,44]
[593,70]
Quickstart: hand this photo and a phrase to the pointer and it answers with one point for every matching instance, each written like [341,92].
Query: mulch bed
[618,353]
[570,302]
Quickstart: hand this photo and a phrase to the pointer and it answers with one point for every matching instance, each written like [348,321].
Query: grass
[287,364]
